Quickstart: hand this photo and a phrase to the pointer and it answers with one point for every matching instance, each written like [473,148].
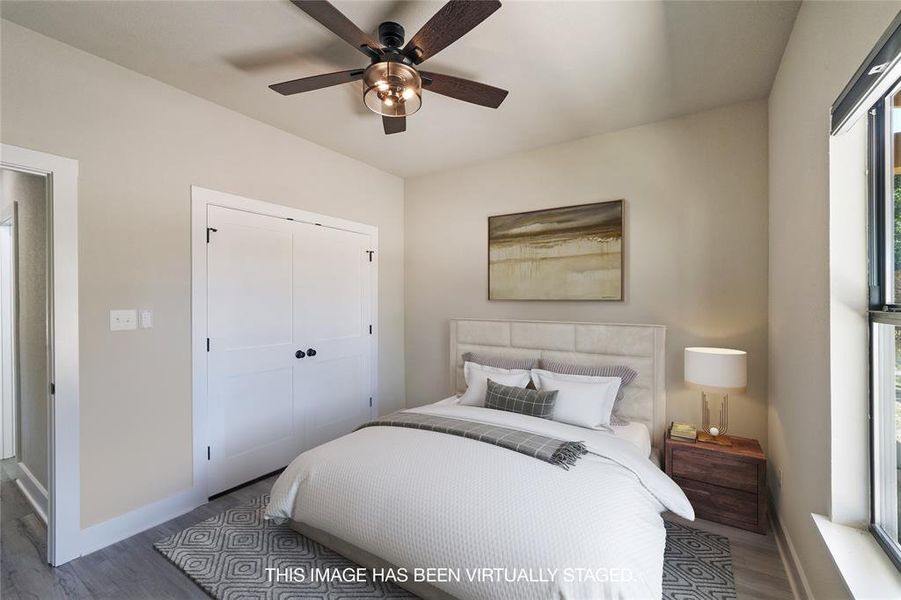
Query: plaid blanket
[550,450]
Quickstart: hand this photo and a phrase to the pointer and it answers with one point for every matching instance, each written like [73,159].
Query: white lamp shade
[716,369]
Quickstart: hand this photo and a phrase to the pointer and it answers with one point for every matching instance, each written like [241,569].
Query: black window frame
[880,310]
[876,211]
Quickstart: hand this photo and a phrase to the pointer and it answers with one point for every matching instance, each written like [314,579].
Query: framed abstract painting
[566,253]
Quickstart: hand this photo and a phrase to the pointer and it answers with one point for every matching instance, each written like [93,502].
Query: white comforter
[533,530]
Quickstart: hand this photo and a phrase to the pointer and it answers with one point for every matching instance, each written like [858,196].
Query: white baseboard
[33,491]
[124,526]
[796,577]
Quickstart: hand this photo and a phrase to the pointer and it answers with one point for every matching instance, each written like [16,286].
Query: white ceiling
[573,68]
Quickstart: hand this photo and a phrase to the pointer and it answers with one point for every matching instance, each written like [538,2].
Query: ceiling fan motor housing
[391,34]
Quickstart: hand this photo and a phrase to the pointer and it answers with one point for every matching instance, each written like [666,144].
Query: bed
[490,522]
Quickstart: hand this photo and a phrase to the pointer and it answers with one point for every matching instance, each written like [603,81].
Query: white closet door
[289,361]
[253,429]
[332,287]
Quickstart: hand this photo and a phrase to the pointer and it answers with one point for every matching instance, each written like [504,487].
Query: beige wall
[141,145]
[29,193]
[695,247]
[828,43]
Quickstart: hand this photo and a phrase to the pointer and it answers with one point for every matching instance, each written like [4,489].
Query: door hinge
[370,329]
[208,230]
[370,401]
[370,253]
[208,453]
[208,344]
[52,388]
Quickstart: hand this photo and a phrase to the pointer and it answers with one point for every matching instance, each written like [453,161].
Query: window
[885,318]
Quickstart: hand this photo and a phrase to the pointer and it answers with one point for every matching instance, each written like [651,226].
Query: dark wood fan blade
[394,124]
[463,89]
[335,21]
[316,82]
[453,21]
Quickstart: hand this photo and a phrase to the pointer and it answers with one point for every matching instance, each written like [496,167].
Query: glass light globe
[392,89]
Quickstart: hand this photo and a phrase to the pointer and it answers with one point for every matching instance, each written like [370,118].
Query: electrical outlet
[779,475]
[122,320]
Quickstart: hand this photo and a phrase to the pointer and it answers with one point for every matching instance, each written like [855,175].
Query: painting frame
[617,205]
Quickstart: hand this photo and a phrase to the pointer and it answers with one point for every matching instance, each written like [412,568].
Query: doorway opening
[39,450]
[25,350]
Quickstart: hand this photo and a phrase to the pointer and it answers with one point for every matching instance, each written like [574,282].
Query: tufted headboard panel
[638,346]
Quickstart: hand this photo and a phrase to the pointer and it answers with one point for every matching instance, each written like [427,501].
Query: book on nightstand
[683,431]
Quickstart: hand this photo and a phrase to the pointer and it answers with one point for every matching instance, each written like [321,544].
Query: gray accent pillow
[627,374]
[520,400]
[501,362]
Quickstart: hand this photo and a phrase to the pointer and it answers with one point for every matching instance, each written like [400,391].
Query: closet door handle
[311,352]
[299,354]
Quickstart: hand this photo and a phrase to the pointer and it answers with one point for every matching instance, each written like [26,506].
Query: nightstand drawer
[720,504]
[716,469]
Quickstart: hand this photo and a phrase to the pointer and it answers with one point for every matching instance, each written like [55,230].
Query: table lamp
[716,371]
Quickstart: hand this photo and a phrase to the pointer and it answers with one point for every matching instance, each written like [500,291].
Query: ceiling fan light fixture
[392,89]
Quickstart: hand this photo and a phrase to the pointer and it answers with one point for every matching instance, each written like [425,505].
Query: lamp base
[720,440]
[704,435]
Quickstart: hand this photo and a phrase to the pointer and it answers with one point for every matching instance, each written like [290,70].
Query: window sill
[866,570]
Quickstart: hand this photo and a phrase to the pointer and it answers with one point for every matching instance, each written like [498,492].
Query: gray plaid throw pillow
[520,400]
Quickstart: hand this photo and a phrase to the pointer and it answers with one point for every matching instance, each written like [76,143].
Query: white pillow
[582,400]
[477,375]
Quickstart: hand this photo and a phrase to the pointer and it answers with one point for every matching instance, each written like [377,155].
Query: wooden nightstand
[726,484]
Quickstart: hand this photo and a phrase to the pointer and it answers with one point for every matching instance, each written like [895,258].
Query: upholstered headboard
[638,346]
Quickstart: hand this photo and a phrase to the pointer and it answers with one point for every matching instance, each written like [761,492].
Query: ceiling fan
[392,83]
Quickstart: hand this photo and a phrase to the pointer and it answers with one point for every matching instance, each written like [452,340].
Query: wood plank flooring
[133,569]
[126,570]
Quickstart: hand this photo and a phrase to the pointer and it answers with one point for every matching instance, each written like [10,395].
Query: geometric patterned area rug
[227,556]
[697,565]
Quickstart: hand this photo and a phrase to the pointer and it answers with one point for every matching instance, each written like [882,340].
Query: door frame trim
[201,198]
[8,416]
[63,474]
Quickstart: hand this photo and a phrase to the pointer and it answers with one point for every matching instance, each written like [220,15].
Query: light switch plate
[122,320]
[146,318]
